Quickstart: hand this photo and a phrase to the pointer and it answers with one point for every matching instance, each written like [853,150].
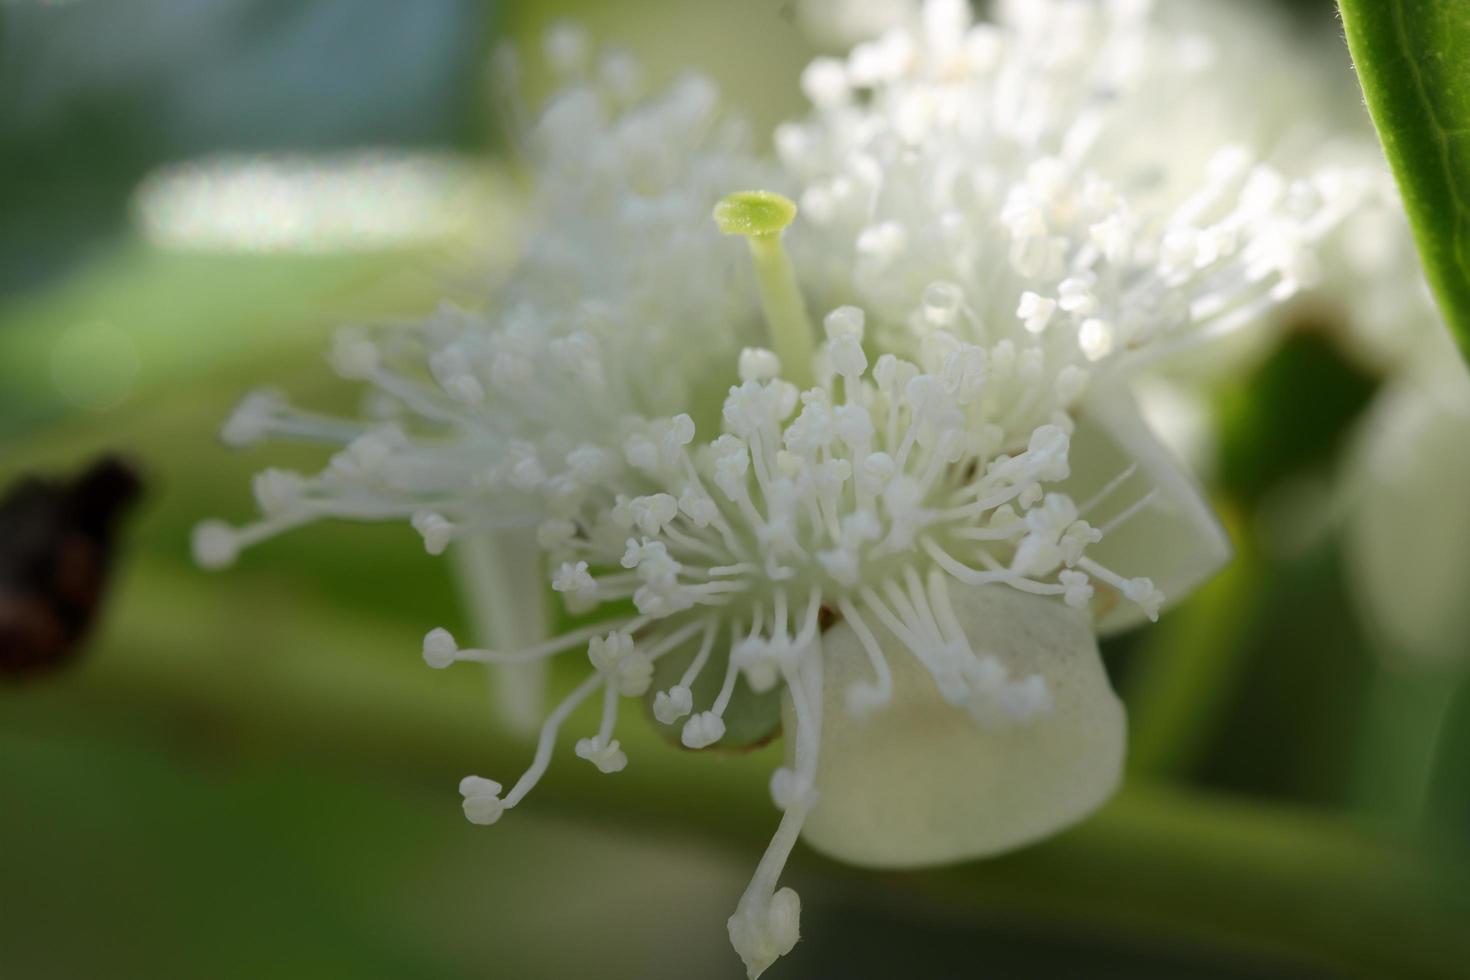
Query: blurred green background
[253,775]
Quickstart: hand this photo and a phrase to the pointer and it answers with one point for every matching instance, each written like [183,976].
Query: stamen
[767,921]
[602,750]
[439,641]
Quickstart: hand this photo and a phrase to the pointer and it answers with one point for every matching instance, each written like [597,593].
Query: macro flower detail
[911,516]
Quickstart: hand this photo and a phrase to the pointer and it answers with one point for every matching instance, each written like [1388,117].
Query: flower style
[910,522]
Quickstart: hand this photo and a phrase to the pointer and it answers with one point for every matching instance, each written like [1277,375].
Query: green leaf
[1413,59]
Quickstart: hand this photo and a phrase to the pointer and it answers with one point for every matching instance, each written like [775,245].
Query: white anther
[941,303]
[251,420]
[1114,235]
[699,507]
[617,657]
[607,756]
[824,81]
[702,730]
[1075,296]
[844,321]
[653,513]
[524,467]
[593,464]
[574,580]
[440,648]
[215,544]
[567,46]
[1142,592]
[882,60]
[761,670]
[353,356]
[759,364]
[671,705]
[1047,449]
[482,803]
[847,356]
[365,456]
[1078,588]
[854,426]
[436,530]
[789,787]
[1229,163]
[762,931]
[875,471]
[882,244]
[451,369]
[277,492]
[622,75]
[1025,699]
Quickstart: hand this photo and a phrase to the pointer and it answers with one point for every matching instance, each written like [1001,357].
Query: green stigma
[754,213]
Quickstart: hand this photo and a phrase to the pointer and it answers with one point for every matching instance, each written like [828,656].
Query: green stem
[1160,865]
[1405,718]
[1163,864]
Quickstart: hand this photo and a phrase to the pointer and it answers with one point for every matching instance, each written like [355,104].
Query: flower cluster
[906,520]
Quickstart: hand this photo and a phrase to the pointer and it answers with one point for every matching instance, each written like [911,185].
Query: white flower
[1405,477]
[1407,483]
[1402,484]
[950,469]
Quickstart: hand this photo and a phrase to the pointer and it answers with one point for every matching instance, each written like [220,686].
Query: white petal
[1175,540]
[1408,522]
[919,782]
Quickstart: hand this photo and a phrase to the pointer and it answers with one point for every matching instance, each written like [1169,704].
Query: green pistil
[761,216]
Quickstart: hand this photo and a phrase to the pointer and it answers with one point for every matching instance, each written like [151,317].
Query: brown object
[56,546]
